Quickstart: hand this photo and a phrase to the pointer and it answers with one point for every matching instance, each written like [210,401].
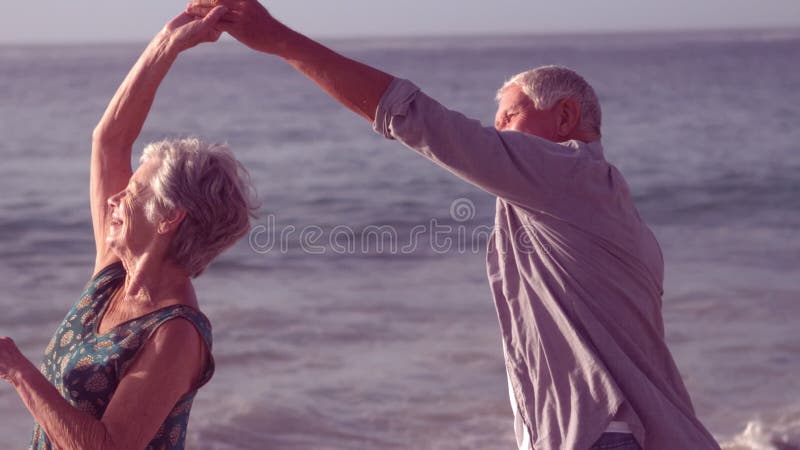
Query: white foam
[758,435]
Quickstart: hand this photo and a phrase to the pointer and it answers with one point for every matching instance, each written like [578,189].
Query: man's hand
[357,86]
[246,20]
[187,30]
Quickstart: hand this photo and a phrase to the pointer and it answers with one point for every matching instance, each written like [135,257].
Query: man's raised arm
[357,86]
[520,168]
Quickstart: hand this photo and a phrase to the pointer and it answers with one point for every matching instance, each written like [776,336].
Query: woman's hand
[185,30]
[12,361]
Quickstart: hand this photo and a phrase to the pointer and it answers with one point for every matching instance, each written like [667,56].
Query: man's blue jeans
[616,441]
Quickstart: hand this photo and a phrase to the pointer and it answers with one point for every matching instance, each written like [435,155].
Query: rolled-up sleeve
[521,168]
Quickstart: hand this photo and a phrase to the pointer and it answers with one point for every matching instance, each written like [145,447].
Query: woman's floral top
[86,366]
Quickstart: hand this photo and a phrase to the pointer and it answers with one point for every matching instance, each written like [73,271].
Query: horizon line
[452,35]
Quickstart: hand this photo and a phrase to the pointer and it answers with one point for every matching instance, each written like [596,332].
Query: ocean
[343,321]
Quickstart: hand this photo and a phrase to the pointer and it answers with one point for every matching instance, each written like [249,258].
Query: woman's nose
[114,199]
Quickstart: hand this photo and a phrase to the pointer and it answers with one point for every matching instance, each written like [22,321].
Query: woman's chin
[114,244]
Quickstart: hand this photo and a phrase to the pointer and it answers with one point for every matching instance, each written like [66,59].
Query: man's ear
[172,222]
[569,116]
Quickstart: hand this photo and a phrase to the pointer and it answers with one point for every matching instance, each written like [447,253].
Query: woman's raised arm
[113,138]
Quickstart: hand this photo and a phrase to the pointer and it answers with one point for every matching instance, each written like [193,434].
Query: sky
[82,21]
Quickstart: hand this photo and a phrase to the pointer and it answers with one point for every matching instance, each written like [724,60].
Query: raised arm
[357,86]
[113,138]
[521,168]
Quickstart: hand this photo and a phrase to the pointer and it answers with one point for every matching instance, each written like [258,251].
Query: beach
[357,314]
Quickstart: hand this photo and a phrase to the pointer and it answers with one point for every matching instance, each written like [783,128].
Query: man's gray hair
[212,186]
[547,85]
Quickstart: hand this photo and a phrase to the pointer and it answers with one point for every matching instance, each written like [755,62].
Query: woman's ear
[172,222]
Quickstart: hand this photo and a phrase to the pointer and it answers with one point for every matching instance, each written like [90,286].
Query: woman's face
[129,230]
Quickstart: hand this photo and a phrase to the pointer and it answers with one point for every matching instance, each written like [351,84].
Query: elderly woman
[125,364]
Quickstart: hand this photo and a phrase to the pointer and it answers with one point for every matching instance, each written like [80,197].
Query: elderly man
[575,272]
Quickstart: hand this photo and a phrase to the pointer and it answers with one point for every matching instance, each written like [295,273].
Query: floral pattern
[86,367]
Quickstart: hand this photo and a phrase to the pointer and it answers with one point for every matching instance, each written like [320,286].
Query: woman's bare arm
[113,138]
[165,370]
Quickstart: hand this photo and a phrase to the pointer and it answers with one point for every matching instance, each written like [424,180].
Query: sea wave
[760,435]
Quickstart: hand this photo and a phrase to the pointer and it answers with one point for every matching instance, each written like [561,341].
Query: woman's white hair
[547,85]
[214,189]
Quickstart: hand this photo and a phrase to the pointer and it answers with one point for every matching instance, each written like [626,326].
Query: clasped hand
[246,20]
[186,30]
